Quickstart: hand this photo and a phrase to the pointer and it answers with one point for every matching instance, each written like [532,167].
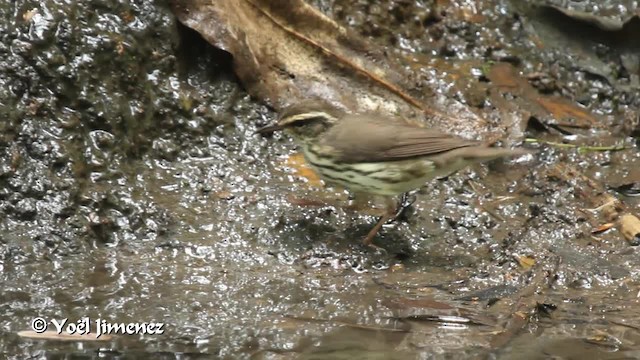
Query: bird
[376,155]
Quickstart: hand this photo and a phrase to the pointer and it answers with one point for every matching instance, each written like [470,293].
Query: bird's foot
[368,240]
[406,201]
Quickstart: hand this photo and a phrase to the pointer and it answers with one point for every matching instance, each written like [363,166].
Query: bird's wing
[360,138]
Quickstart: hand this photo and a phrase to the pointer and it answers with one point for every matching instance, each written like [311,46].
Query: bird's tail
[452,161]
[484,153]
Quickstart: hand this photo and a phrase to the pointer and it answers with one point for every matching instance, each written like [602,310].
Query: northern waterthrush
[375,155]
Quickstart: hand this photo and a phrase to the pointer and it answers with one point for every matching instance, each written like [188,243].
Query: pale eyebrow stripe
[310,115]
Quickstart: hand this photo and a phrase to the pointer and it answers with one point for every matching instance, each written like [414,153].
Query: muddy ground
[133,189]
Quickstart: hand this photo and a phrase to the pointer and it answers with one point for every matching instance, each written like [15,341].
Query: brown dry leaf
[602,228]
[563,109]
[526,262]
[297,163]
[28,15]
[53,335]
[505,79]
[286,50]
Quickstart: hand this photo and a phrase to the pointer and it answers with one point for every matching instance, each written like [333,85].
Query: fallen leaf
[562,109]
[602,228]
[525,262]
[528,101]
[297,163]
[286,50]
[28,15]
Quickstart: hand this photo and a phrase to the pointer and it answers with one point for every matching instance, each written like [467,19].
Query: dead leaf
[602,228]
[525,262]
[552,109]
[28,15]
[285,50]
[297,163]
[562,109]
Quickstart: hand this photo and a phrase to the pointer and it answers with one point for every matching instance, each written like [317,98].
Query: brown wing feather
[359,138]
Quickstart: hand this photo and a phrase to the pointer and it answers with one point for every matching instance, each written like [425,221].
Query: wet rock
[102,139]
[166,149]
[26,209]
[20,47]
[581,283]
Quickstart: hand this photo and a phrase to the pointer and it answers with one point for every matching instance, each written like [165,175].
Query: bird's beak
[269,129]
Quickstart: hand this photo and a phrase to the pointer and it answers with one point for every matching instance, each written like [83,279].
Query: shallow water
[133,189]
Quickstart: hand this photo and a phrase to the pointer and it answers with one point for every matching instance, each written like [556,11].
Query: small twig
[581,148]
[613,201]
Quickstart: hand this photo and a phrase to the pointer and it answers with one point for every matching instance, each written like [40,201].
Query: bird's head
[305,120]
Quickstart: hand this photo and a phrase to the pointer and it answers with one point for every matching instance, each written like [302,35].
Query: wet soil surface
[134,190]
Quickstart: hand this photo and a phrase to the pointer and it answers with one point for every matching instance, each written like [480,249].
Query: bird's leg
[391,209]
[405,203]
